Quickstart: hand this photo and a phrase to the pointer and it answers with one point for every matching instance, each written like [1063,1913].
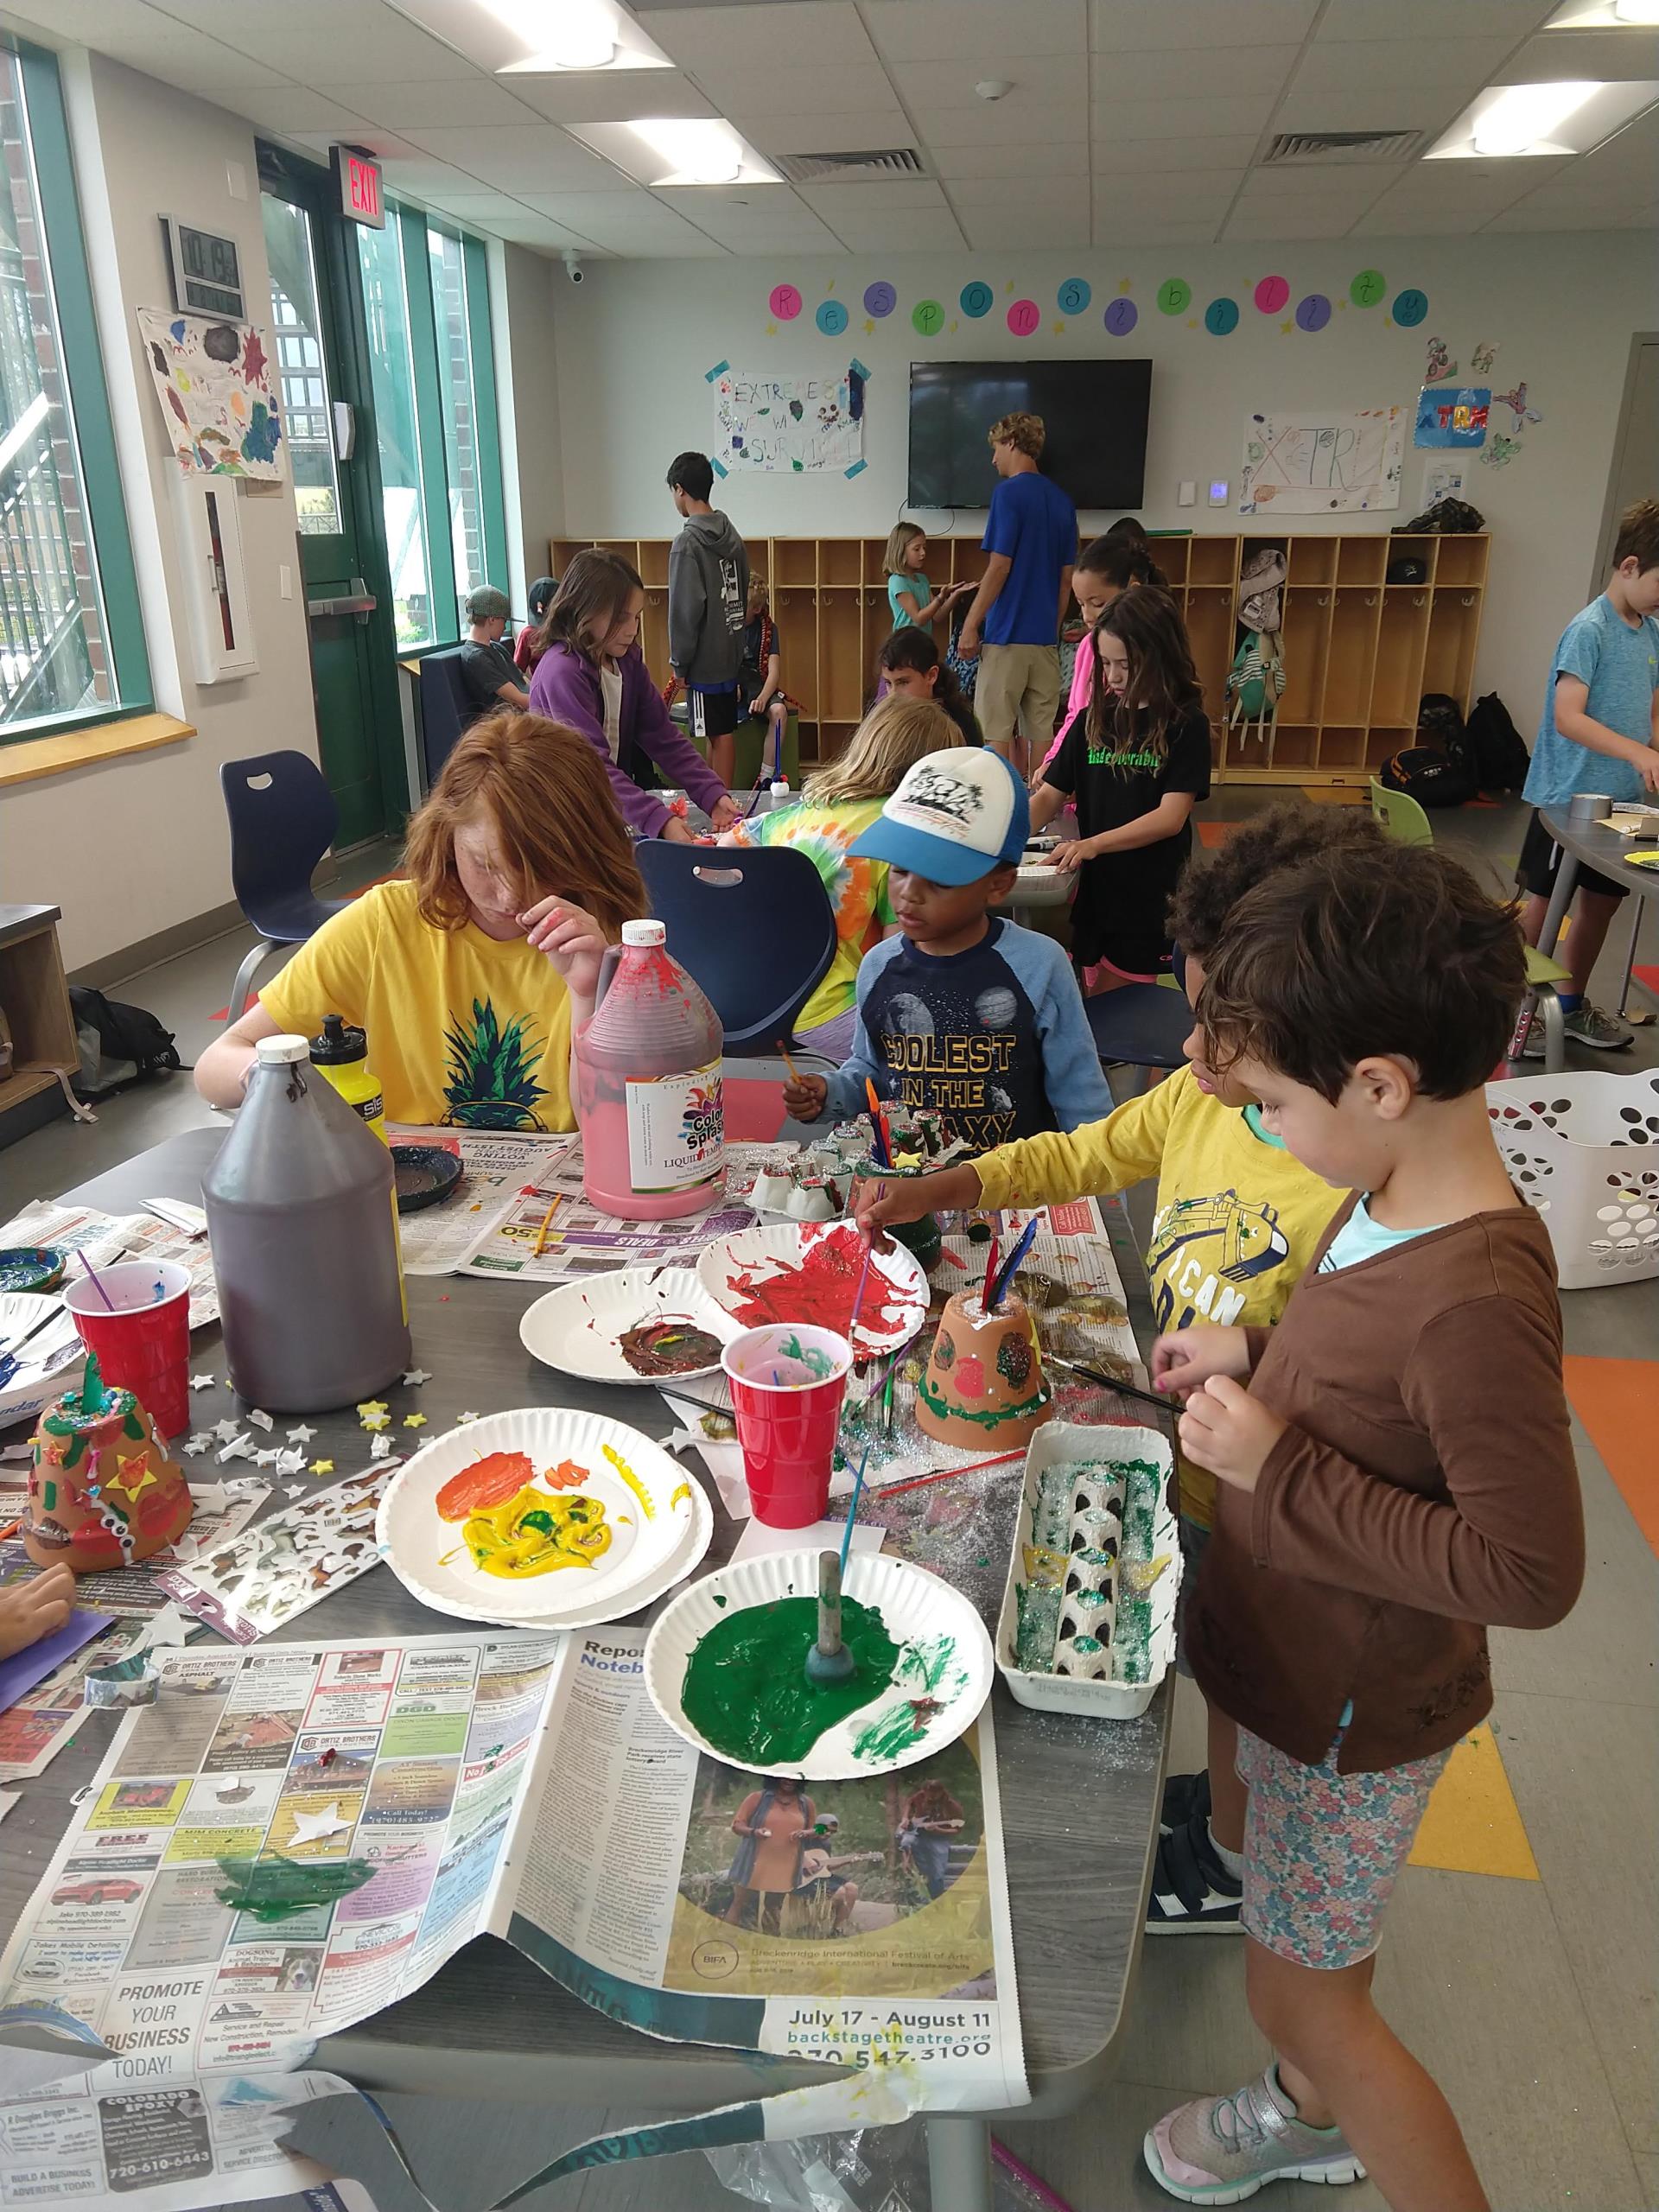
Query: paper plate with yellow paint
[535,1515]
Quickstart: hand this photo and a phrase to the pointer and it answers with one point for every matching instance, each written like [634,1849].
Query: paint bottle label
[676,1130]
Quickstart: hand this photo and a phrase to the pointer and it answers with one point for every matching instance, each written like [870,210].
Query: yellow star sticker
[1059,330]
[1287,326]
[1008,287]
[414,1421]
[322,1466]
[954,326]
[368,1406]
[869,328]
[771,330]
[1125,284]
[1192,322]
[1340,305]
[121,1479]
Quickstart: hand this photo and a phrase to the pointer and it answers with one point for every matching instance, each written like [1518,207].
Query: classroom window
[71,638]
[459,411]
[307,414]
[396,420]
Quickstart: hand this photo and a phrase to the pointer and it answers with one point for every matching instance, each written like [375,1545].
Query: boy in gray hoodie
[707,606]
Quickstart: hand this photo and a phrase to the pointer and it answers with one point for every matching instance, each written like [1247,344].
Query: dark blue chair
[753,927]
[446,709]
[1142,1026]
[284,819]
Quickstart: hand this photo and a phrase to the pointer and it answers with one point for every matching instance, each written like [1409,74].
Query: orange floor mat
[1618,1400]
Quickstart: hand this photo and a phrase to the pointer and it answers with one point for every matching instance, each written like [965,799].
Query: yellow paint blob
[532,1533]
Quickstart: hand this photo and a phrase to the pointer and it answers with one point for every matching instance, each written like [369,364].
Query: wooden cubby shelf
[1359,651]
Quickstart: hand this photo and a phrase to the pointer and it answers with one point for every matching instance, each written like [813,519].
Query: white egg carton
[1060,1444]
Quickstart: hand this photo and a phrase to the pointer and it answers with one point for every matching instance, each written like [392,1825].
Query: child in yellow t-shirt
[1236,1223]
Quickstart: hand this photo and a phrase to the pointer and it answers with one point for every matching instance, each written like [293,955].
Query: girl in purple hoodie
[592,677]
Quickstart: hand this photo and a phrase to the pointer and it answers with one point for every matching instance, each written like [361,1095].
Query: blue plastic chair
[754,927]
[1142,1026]
[446,709]
[284,819]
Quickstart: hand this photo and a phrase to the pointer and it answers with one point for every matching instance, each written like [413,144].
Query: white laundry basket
[1584,1149]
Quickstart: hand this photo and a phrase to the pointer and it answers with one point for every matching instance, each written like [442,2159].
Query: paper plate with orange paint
[535,1516]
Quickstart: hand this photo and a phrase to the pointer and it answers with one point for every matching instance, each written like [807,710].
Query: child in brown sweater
[1397,1475]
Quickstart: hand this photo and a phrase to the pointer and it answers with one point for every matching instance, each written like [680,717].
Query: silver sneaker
[1221,2150]
[1586,1024]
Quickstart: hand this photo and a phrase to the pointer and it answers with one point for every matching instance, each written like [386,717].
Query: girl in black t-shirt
[1136,762]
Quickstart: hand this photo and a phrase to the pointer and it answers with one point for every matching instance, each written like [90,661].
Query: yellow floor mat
[1473,1825]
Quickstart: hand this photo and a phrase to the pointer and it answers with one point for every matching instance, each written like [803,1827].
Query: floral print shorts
[1322,1850]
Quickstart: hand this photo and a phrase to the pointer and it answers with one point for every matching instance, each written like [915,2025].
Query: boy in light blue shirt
[1600,733]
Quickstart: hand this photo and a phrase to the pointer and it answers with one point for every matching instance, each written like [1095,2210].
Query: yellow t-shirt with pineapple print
[463,1033]
[1237,1218]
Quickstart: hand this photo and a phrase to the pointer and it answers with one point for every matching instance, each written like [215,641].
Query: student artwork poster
[791,425]
[1320,462]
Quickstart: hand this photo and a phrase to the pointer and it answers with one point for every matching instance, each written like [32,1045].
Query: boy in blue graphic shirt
[962,1012]
[1600,733]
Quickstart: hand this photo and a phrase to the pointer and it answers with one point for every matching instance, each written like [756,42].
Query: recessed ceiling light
[574,35]
[1636,11]
[1523,116]
[698,151]
[1507,121]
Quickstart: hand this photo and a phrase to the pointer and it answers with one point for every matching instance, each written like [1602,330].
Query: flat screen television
[1094,413]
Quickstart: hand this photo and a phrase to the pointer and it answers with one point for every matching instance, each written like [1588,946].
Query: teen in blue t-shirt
[1599,732]
[1031,535]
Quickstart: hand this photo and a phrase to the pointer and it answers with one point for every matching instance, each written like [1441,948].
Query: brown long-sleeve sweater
[1425,1490]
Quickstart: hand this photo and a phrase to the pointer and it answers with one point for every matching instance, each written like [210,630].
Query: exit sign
[357,179]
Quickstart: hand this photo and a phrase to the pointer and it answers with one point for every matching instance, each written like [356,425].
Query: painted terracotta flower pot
[102,1491]
[984,1382]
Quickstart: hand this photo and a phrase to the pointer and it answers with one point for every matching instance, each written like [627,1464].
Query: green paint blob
[746,1690]
[275,1888]
[888,1734]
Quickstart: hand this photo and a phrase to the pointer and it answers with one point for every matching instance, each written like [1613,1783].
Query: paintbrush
[851,1510]
[541,1233]
[884,1158]
[943,1474]
[97,1280]
[794,1072]
[990,1277]
[1110,1382]
[1012,1265]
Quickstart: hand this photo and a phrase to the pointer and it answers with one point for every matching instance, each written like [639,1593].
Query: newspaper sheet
[495,1171]
[410,1796]
[106,1238]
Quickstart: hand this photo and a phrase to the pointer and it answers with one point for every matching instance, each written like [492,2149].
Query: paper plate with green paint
[726,1667]
[536,1516]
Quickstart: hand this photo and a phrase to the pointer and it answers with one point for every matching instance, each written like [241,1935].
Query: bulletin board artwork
[1452,414]
[216,387]
[1317,461]
[790,425]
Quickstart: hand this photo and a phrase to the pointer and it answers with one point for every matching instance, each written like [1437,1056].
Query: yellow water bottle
[341,1053]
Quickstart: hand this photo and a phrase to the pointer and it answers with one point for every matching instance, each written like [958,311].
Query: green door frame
[309,186]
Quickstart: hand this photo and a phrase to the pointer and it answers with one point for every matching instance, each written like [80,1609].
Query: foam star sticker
[462,1419]
[368,1405]
[869,328]
[261,1419]
[225,1430]
[312,1827]
[415,1377]
[1059,330]
[239,1447]
[199,1442]
[376,1421]
[289,1463]
[130,1484]
[302,1434]
[322,1466]
[414,1421]
[266,1458]
[204,1381]
[380,1447]
[1287,328]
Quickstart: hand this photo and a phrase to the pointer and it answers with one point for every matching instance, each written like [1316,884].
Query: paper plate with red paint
[809,1271]
[534,1516]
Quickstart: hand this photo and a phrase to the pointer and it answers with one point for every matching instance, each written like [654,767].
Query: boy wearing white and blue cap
[962,1012]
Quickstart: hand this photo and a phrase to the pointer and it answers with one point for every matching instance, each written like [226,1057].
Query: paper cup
[144,1345]
[787,1384]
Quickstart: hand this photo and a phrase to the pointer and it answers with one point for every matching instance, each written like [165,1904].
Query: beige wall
[142,150]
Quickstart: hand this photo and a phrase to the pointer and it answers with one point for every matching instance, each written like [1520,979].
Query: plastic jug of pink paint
[648,1085]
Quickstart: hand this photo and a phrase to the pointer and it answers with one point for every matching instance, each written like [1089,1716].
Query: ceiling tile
[1424,20]
[525,229]
[414,172]
[1004,122]
[611,95]
[920,30]
[764,215]
[424,106]
[288,108]
[480,207]
[327,41]
[1018,158]
[518,157]
[1192,191]
[1632,156]
[1456,220]
[1123,209]
[1286,221]
[1220,72]
[866,131]
[1380,105]
[173,52]
[1112,229]
[1525,217]
[785,35]
[949,82]
[793,87]
[1568,196]
[1129,26]
[1165,156]
[1141,120]
[929,231]
[1039,198]
[1309,181]
[994,229]
[897,192]
[621,222]
[1454,65]
[1601,56]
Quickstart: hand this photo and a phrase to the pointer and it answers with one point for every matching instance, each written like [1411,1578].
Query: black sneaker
[1190,1888]
[1184,1795]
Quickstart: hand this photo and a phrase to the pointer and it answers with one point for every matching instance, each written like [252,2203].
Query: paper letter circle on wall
[784,302]
[1221,316]
[927,317]
[1313,311]
[1271,294]
[1368,287]
[976,299]
[1410,308]
[831,318]
[1074,296]
[880,299]
[1121,317]
[1024,317]
[1174,296]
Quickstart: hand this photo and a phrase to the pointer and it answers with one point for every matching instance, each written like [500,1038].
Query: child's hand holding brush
[909,1198]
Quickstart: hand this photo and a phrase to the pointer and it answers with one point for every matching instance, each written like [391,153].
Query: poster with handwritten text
[799,426]
[1322,462]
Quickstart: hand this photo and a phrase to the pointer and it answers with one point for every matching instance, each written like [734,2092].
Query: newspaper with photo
[106,1238]
[292,1837]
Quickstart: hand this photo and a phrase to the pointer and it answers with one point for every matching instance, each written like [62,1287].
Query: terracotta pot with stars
[102,1491]
[984,1383]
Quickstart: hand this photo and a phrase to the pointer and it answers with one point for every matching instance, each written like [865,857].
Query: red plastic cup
[787,1384]
[144,1345]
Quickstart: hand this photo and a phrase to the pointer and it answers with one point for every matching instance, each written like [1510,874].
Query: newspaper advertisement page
[495,1170]
[187,2145]
[106,1237]
[285,1841]
[862,1923]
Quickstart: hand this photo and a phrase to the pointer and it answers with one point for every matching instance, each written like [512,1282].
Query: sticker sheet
[283,1566]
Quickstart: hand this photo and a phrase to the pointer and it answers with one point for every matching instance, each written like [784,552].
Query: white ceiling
[1130,121]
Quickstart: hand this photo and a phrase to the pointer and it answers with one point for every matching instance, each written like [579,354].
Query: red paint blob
[487,1482]
[820,1290]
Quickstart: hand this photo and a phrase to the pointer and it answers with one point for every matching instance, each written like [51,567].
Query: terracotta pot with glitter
[101,1490]
[984,1383]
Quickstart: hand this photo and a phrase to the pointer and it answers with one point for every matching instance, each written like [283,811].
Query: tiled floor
[1528,1988]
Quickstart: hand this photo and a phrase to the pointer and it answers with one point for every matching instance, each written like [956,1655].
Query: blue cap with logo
[955,817]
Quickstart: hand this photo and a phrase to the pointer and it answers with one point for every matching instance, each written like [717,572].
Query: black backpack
[1501,756]
[119,1044]
[1440,772]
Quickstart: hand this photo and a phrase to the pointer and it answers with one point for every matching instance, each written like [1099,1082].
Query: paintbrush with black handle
[1111,1383]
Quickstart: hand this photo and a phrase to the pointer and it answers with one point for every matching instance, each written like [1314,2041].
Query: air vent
[1342,146]
[821,168]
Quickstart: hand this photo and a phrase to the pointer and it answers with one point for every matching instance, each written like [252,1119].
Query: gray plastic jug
[303,1222]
